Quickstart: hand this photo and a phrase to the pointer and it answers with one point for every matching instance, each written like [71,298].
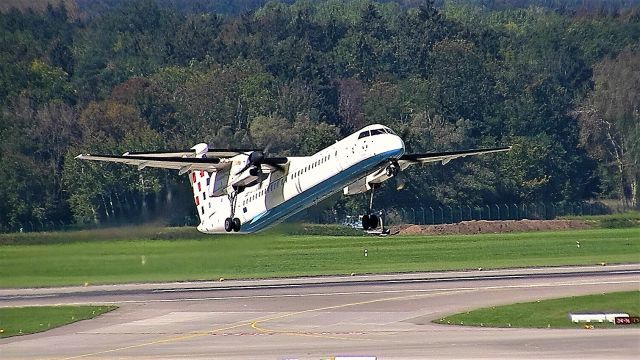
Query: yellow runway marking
[190,335]
[254,325]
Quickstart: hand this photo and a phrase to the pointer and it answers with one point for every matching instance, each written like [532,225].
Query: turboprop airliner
[246,191]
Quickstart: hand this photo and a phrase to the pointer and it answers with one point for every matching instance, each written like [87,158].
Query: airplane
[245,191]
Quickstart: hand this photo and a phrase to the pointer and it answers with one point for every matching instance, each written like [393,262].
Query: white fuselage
[305,181]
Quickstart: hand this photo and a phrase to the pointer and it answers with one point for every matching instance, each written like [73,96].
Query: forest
[557,80]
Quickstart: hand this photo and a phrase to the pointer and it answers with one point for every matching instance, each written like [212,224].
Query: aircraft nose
[397,145]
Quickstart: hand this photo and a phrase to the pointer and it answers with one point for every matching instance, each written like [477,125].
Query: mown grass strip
[278,255]
[33,319]
[553,313]
[611,221]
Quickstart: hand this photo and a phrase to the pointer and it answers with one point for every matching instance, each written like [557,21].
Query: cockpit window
[390,131]
[363,134]
[377,132]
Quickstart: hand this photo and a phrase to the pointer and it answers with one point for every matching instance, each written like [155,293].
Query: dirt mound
[484,227]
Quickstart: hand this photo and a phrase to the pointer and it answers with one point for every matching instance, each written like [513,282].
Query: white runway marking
[346,293]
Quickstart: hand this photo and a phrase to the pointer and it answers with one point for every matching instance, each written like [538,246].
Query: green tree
[109,191]
[609,121]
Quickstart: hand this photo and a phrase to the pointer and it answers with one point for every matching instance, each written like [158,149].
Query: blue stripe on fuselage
[304,199]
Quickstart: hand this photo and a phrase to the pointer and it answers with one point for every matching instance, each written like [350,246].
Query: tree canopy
[557,80]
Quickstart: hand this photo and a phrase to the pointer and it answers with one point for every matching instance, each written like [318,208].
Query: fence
[422,215]
[33,226]
[447,214]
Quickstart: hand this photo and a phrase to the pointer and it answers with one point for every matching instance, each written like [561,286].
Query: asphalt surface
[388,316]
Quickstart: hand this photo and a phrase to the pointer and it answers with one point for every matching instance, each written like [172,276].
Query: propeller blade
[267,148]
[276,162]
[244,168]
[401,181]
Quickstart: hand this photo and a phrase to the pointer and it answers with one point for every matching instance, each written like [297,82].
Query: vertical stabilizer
[200,181]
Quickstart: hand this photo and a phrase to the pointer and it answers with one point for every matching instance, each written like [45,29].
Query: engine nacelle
[364,184]
[249,177]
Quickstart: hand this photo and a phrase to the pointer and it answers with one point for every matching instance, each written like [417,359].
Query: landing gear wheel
[365,222]
[236,224]
[374,221]
[228,225]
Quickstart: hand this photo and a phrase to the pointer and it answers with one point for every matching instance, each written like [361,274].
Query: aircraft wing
[444,157]
[386,172]
[165,161]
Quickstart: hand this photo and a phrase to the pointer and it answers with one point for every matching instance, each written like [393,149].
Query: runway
[387,316]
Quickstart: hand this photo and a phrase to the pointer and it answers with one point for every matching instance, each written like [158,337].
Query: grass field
[633,215]
[611,221]
[29,320]
[550,313]
[169,255]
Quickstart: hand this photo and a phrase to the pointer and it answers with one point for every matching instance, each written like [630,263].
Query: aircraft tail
[200,181]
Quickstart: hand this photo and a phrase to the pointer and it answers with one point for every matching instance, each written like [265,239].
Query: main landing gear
[232,223]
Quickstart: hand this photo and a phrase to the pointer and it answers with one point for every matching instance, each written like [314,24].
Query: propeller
[257,158]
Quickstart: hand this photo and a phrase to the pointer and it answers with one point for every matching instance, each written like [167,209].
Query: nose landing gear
[370,221]
[373,223]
